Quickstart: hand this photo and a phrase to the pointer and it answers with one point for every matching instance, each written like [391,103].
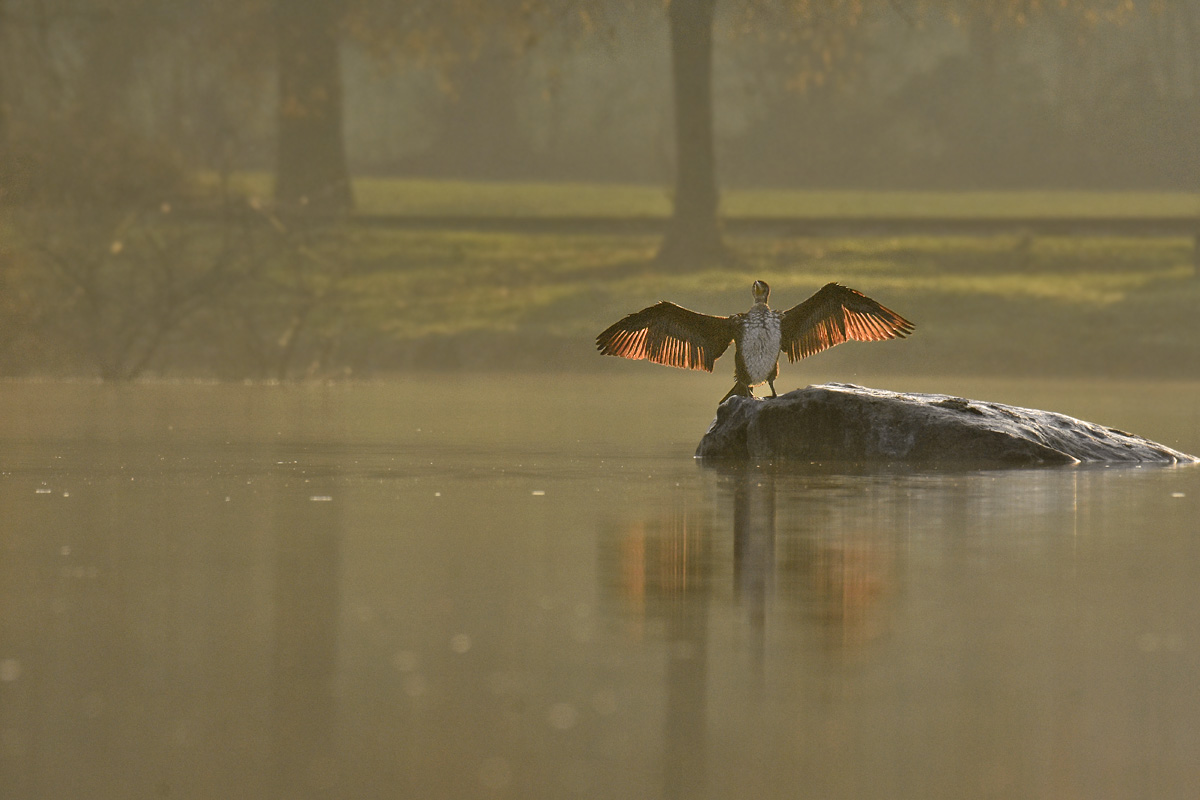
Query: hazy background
[245,189]
[897,95]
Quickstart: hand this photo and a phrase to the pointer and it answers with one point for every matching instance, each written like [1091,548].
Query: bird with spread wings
[666,333]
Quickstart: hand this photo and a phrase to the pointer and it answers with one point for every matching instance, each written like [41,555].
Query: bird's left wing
[669,334]
[834,315]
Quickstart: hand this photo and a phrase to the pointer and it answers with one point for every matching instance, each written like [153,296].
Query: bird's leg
[771,383]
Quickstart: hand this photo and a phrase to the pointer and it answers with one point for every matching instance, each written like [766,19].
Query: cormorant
[678,337]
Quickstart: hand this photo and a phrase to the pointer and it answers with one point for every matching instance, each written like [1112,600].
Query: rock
[847,423]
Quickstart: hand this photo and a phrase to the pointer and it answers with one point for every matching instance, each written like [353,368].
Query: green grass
[991,305]
[995,305]
[417,197]
[997,205]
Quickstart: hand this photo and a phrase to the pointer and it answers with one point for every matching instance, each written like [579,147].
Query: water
[525,587]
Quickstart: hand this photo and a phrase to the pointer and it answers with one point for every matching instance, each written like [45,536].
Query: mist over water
[524,586]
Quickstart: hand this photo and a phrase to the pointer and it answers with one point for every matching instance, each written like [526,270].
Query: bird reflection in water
[808,553]
[847,579]
[662,561]
[814,550]
[664,570]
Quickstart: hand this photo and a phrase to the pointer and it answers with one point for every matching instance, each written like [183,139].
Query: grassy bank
[423,197]
[1000,305]
[362,301]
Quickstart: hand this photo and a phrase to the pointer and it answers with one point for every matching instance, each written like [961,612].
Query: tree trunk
[6,177]
[693,235]
[984,132]
[311,172]
[479,130]
[13,183]
[3,87]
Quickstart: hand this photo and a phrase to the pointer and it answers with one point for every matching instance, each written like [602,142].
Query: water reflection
[754,539]
[665,565]
[838,573]
[194,618]
[163,641]
[824,558]
[817,564]
[775,586]
[307,539]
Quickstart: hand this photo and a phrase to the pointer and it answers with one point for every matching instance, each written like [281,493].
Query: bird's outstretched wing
[669,334]
[834,315]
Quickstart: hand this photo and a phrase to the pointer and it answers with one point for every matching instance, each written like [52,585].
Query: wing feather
[669,334]
[836,314]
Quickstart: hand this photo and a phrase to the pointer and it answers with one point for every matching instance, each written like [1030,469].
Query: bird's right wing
[669,334]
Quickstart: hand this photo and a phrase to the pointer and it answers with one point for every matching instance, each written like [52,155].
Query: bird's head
[761,291]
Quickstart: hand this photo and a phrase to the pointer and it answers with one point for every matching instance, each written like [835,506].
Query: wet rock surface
[848,423]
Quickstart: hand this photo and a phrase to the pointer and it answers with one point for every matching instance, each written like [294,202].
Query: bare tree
[121,287]
[291,295]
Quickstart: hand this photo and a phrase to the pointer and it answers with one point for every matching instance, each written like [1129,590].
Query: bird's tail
[740,389]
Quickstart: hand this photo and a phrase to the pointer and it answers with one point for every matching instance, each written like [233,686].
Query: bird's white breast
[759,345]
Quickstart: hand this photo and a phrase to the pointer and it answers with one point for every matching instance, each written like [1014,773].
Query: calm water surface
[526,588]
